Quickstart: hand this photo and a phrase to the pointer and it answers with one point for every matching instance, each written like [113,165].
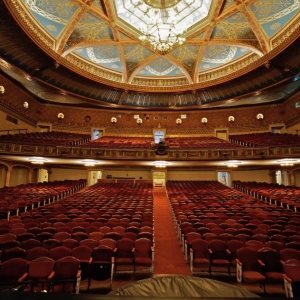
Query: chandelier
[163,33]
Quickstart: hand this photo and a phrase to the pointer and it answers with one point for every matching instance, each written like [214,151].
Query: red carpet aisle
[169,258]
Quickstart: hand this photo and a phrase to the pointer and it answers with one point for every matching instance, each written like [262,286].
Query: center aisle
[169,258]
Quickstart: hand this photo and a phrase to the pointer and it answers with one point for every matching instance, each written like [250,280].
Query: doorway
[224,178]
[93,177]
[159,178]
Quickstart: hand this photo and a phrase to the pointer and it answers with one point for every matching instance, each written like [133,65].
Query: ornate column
[30,174]
[292,177]
[7,177]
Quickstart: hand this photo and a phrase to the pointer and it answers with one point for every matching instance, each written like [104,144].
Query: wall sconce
[204,120]
[139,121]
[259,116]
[114,120]
[178,121]
[2,89]
[25,104]
[231,119]
[60,116]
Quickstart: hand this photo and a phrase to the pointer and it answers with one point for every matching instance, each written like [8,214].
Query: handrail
[7,131]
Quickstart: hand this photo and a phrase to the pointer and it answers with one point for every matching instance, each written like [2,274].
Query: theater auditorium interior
[149,148]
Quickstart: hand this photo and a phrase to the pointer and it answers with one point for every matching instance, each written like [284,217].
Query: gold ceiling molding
[138,83]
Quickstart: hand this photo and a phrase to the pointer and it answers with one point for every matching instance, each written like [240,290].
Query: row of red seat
[280,195]
[265,139]
[53,138]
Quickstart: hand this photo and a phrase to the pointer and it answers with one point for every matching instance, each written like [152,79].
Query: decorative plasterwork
[259,50]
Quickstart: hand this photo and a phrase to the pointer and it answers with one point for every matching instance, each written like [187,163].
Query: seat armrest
[287,278]
[23,277]
[90,260]
[112,259]
[51,275]
[210,251]
[78,274]
[228,251]
[261,263]
[239,262]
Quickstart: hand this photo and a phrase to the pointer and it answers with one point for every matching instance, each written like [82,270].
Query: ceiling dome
[100,40]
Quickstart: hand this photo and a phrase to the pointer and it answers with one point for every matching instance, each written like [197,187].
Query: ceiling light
[37,160]
[287,162]
[162,34]
[162,22]
[232,163]
[160,164]
[90,163]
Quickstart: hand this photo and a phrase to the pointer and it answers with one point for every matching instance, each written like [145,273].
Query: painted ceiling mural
[100,39]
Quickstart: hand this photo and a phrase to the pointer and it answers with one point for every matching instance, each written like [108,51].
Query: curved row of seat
[280,195]
[21,198]
[53,138]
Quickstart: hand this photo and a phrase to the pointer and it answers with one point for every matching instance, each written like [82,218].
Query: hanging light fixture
[163,34]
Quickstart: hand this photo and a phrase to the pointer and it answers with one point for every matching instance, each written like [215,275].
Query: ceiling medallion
[162,34]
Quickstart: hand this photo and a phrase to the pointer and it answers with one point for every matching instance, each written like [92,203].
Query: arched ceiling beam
[142,65]
[122,57]
[259,33]
[240,43]
[79,44]
[116,35]
[69,28]
[152,58]
[198,61]
[181,67]
[232,9]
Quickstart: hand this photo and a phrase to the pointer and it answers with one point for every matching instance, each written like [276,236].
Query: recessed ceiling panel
[106,56]
[215,56]
[52,15]
[160,67]
[91,28]
[274,14]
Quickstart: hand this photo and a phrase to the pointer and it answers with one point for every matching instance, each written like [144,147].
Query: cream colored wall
[297,177]
[6,125]
[42,175]
[19,175]
[251,175]
[2,176]
[191,175]
[63,174]
[145,174]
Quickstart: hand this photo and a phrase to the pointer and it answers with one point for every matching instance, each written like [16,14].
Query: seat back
[40,267]
[67,268]
[142,248]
